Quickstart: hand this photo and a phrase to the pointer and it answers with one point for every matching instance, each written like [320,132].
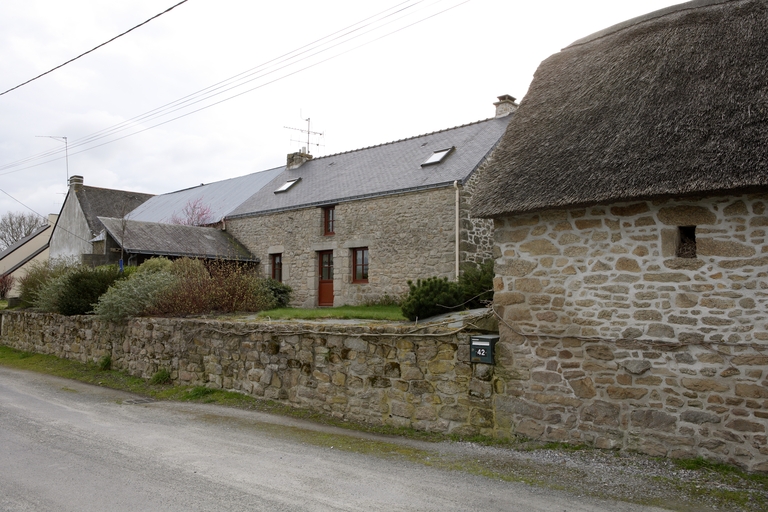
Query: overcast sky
[365,73]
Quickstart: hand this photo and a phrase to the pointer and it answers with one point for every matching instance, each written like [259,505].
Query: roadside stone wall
[409,236]
[386,375]
[610,337]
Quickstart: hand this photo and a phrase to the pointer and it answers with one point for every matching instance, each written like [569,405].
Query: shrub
[49,294]
[6,285]
[84,286]
[134,296]
[281,292]
[38,274]
[430,297]
[476,283]
[155,265]
[222,287]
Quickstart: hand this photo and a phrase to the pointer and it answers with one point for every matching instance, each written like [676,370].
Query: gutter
[458,237]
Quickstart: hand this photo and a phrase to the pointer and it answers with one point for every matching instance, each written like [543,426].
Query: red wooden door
[325,287]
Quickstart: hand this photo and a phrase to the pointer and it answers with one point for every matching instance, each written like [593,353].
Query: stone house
[629,202]
[354,227]
[78,232]
[15,260]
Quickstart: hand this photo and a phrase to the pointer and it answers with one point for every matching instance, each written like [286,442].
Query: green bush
[430,297]
[134,296]
[476,283]
[38,274]
[281,292]
[435,296]
[49,294]
[155,265]
[83,288]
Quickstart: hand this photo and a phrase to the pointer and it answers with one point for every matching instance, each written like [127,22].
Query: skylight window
[288,184]
[437,157]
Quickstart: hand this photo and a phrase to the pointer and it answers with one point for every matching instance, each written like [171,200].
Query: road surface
[67,446]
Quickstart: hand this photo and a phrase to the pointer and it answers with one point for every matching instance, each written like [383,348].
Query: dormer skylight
[437,157]
[288,184]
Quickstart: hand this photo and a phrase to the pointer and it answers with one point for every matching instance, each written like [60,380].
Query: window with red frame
[277,266]
[360,265]
[329,218]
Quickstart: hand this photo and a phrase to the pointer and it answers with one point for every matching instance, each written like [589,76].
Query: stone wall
[409,236]
[611,339]
[385,375]
[476,234]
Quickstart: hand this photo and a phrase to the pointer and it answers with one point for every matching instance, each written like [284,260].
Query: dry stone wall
[609,337]
[386,375]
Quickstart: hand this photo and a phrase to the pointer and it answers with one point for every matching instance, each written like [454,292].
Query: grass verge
[392,313]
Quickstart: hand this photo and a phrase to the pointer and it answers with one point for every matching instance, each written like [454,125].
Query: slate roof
[221,197]
[105,202]
[380,170]
[674,103]
[24,240]
[175,240]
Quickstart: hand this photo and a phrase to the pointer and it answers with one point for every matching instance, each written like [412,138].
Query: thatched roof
[673,103]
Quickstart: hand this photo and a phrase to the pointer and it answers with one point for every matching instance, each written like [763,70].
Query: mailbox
[481,348]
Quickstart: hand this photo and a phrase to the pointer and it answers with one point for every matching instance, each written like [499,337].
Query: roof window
[437,157]
[288,184]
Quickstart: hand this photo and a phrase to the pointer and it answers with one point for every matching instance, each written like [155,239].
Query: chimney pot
[295,160]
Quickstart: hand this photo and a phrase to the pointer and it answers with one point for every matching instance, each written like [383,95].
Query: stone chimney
[505,106]
[75,183]
[295,160]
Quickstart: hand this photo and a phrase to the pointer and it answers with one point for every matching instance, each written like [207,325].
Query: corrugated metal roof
[175,240]
[380,170]
[221,197]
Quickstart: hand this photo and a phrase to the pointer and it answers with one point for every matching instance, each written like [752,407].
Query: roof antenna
[309,133]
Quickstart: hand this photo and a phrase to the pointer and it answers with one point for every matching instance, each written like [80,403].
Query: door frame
[325,286]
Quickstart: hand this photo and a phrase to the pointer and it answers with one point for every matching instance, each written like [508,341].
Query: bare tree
[16,225]
[194,213]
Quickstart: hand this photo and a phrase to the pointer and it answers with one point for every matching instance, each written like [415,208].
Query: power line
[92,49]
[209,92]
[289,59]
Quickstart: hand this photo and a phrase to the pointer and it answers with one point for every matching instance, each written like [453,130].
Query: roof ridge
[607,31]
[116,190]
[405,139]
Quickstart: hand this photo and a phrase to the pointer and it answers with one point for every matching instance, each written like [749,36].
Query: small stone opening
[686,246]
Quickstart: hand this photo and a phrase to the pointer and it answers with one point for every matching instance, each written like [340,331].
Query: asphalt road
[67,446]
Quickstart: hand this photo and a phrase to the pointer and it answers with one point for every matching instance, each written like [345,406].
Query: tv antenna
[309,133]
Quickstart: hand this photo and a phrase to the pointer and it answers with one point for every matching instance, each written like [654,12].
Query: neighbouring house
[629,199]
[78,226]
[34,247]
[354,227]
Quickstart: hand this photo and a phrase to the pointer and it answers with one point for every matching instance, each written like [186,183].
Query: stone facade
[383,375]
[611,337]
[408,236]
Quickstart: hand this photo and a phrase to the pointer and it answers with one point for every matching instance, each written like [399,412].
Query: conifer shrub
[84,286]
[435,296]
[476,283]
[430,297]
